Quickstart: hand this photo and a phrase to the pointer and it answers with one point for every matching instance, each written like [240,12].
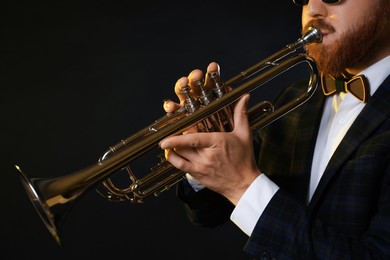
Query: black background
[77,77]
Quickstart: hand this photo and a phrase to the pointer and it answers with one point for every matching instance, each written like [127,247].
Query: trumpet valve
[190,103]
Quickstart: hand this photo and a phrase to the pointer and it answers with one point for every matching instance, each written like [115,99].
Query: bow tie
[357,86]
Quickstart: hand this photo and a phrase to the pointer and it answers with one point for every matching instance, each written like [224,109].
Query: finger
[180,84]
[178,161]
[188,154]
[213,78]
[212,69]
[196,81]
[241,123]
[213,66]
[190,140]
[170,106]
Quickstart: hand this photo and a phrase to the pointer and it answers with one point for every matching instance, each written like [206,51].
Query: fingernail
[161,143]
[165,145]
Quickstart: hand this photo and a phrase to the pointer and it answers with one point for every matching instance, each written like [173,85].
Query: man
[320,187]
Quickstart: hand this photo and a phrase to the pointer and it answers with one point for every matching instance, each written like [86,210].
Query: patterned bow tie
[357,86]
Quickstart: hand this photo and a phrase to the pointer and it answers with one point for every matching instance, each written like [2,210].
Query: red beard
[352,47]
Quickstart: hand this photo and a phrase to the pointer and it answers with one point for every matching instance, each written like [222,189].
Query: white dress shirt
[339,113]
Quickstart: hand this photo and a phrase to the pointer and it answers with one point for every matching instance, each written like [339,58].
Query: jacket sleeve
[286,229]
[204,208]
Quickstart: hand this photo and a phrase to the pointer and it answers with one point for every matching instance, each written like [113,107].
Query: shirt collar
[377,73]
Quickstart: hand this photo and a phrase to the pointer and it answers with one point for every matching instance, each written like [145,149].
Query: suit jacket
[348,216]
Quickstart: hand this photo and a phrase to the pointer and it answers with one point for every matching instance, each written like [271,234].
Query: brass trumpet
[211,110]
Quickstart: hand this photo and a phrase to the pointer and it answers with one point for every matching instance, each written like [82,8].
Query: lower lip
[324,36]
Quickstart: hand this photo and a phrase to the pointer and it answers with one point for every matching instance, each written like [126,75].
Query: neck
[367,63]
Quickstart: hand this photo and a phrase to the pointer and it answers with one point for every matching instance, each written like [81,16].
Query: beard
[353,45]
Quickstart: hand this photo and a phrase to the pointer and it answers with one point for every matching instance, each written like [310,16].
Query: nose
[315,9]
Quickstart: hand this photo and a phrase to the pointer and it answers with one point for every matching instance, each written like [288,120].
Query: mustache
[319,24]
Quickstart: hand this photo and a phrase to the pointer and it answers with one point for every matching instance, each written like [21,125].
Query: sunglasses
[305,2]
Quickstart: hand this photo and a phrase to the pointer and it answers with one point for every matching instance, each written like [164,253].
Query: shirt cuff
[194,183]
[252,203]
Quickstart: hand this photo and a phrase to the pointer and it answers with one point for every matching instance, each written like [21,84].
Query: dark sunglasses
[305,2]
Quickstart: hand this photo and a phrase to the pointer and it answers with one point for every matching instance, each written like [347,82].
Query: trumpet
[210,110]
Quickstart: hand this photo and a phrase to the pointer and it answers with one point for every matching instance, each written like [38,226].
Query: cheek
[304,19]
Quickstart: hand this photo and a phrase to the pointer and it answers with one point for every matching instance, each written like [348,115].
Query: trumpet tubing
[209,111]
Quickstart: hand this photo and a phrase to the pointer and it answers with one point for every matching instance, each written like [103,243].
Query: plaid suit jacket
[349,214]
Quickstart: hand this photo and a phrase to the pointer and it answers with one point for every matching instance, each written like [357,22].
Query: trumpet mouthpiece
[313,35]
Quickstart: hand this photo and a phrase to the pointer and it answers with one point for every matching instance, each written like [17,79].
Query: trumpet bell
[53,198]
[48,216]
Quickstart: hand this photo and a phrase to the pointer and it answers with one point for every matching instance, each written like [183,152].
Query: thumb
[241,123]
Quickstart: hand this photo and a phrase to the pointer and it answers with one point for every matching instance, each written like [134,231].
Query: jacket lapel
[309,122]
[374,113]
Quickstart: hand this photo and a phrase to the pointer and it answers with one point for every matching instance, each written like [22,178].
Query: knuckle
[195,143]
